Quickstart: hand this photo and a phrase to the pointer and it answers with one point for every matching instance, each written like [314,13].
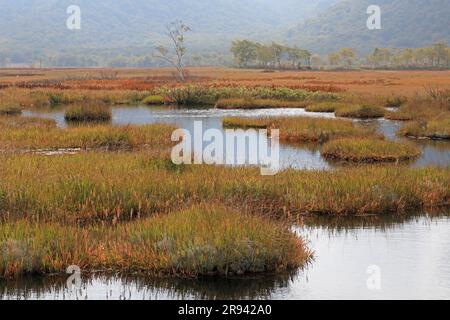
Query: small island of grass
[369,150]
[360,112]
[88,113]
[434,129]
[189,243]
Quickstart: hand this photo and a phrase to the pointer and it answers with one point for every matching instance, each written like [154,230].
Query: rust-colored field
[384,83]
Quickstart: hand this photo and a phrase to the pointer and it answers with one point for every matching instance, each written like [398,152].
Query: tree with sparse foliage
[175,31]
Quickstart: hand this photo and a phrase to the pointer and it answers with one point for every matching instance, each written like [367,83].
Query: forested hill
[41,24]
[405,23]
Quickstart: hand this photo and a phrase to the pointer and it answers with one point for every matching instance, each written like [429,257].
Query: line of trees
[247,54]
[435,56]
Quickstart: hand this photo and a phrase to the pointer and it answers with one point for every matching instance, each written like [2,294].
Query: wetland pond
[375,257]
[305,157]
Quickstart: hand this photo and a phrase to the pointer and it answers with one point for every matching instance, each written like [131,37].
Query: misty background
[122,33]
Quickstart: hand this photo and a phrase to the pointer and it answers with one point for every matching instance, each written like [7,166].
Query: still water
[410,255]
[305,156]
[376,257]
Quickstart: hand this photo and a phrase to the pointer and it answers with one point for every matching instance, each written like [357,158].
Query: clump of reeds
[301,129]
[325,106]
[438,129]
[368,150]
[250,103]
[189,243]
[154,100]
[88,113]
[360,112]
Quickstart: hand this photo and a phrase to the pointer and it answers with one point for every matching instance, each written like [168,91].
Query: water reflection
[120,287]
[411,251]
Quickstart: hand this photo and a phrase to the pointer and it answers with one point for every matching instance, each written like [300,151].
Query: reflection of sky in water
[413,256]
[299,157]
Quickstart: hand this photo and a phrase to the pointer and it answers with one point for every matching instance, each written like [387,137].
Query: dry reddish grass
[384,83]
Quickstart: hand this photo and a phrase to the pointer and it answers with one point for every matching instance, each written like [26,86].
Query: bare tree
[175,31]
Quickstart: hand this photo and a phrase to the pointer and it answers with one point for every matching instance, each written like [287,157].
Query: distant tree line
[247,54]
[435,56]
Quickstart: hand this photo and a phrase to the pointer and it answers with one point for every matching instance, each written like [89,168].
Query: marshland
[86,179]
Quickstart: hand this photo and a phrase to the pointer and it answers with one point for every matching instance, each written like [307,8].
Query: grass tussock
[360,112]
[366,150]
[325,107]
[258,104]
[111,187]
[188,243]
[86,137]
[301,129]
[154,100]
[433,129]
[88,113]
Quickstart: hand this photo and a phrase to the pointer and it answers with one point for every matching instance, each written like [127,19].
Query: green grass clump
[251,103]
[111,187]
[153,100]
[301,129]
[325,106]
[189,243]
[433,129]
[87,137]
[369,150]
[360,112]
[195,96]
[88,113]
